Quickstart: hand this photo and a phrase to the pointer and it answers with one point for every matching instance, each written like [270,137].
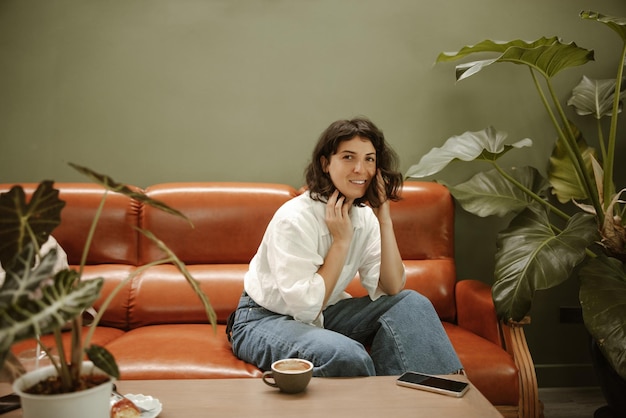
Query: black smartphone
[9,402]
[433,384]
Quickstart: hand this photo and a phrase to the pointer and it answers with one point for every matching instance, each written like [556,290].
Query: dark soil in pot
[52,385]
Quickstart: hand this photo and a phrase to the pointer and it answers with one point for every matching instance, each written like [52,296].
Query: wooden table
[360,397]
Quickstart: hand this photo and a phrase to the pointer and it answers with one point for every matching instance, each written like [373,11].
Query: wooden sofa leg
[515,342]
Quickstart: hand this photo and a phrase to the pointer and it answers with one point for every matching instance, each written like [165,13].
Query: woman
[295,304]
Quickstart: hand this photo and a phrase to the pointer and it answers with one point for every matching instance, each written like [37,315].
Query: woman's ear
[324,163]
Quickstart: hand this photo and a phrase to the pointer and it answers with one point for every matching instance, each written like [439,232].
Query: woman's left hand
[392,276]
[382,212]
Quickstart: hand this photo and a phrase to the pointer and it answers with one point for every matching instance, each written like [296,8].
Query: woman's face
[352,167]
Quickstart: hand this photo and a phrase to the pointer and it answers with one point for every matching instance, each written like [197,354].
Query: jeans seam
[394,336]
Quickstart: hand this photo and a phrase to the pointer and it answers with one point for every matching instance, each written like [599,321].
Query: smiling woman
[370,141]
[295,303]
[352,167]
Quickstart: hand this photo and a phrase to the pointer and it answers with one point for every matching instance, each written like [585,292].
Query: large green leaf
[34,313]
[603,299]
[494,46]
[103,359]
[488,145]
[531,257]
[566,185]
[546,55]
[618,24]
[593,97]
[489,193]
[21,279]
[22,223]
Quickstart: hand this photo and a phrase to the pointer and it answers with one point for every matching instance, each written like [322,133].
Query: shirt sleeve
[293,261]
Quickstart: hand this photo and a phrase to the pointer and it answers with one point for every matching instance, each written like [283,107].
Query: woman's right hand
[340,227]
[338,218]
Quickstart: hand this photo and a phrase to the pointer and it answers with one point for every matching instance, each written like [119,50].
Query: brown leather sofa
[157,328]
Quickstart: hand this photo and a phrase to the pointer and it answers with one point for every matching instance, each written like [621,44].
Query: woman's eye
[350,157]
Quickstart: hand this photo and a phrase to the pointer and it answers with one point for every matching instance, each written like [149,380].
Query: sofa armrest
[475,310]
[476,313]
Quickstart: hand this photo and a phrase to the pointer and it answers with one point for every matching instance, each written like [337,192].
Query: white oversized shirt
[283,274]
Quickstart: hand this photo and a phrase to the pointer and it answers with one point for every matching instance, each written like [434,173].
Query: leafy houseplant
[577,230]
[33,303]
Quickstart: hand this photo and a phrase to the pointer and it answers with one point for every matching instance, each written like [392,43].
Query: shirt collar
[356,213]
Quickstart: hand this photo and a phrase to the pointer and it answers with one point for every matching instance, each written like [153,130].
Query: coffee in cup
[290,375]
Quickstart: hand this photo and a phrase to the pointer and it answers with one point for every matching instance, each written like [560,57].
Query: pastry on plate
[124,408]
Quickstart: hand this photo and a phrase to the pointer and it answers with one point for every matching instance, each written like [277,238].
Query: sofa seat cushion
[161,295]
[491,369]
[178,351]
[116,313]
[102,336]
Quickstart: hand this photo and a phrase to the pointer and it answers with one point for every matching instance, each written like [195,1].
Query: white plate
[147,402]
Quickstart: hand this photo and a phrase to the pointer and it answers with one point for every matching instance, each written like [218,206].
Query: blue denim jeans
[361,337]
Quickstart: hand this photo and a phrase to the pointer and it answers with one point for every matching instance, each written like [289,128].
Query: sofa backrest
[115,240]
[423,222]
[229,220]
[424,226]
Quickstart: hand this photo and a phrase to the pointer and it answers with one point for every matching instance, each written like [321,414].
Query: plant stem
[577,159]
[64,372]
[76,354]
[571,146]
[546,104]
[92,231]
[608,163]
[601,140]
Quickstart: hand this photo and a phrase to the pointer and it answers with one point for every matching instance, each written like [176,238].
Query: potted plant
[34,302]
[569,225]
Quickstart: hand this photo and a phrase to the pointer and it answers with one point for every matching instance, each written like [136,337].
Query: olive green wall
[154,91]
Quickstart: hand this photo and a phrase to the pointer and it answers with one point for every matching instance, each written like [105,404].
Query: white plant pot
[92,403]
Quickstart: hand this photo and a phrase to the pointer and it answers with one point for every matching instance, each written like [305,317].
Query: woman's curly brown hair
[319,183]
